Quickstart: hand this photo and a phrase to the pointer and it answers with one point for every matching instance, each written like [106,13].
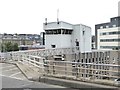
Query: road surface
[12,77]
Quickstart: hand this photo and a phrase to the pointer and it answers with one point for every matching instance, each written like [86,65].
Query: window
[114,25]
[110,33]
[107,26]
[53,46]
[66,31]
[83,32]
[103,33]
[56,31]
[109,40]
[77,43]
[110,47]
[101,27]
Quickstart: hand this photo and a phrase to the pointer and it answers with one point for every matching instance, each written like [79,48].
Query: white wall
[61,41]
[76,35]
[84,41]
[66,41]
[86,38]
[115,36]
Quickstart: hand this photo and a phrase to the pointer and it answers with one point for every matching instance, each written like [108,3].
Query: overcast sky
[28,16]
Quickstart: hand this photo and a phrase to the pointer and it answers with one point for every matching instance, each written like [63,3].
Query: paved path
[12,77]
[12,71]
[8,82]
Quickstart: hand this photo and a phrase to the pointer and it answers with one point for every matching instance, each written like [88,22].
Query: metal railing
[76,70]
[81,70]
[42,53]
[65,69]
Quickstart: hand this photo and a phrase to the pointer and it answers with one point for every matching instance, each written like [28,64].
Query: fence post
[65,69]
[76,66]
[47,67]
[53,68]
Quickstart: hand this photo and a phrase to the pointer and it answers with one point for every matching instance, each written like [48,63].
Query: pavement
[12,71]
[12,77]
[8,82]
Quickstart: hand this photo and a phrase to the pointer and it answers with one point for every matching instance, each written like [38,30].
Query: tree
[8,47]
[2,47]
[15,47]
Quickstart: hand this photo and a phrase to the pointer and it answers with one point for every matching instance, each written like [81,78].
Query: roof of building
[113,21]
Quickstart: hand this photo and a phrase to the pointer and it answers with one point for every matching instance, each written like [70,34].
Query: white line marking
[15,74]
[26,85]
[12,77]
[9,69]
[16,78]
[8,66]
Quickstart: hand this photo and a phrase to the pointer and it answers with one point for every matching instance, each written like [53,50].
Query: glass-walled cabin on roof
[58,31]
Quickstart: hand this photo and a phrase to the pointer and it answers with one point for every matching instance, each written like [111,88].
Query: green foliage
[8,47]
[2,47]
[15,47]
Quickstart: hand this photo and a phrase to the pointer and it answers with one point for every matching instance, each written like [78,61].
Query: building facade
[20,39]
[65,35]
[107,34]
[93,42]
[42,38]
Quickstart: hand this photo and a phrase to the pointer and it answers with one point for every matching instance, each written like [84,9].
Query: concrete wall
[84,40]
[54,25]
[65,40]
[61,41]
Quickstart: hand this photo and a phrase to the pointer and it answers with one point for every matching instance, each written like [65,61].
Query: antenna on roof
[57,16]
[45,21]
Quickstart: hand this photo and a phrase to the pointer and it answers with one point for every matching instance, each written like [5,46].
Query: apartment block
[108,34]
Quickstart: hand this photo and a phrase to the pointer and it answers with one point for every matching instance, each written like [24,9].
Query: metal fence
[65,69]
[73,70]
[81,70]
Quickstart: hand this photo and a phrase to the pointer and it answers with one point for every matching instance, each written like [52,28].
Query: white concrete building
[65,35]
[107,34]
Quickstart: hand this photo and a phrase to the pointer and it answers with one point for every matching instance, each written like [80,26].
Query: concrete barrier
[75,84]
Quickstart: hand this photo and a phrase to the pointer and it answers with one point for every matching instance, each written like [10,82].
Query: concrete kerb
[82,80]
[28,72]
[23,72]
[72,84]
